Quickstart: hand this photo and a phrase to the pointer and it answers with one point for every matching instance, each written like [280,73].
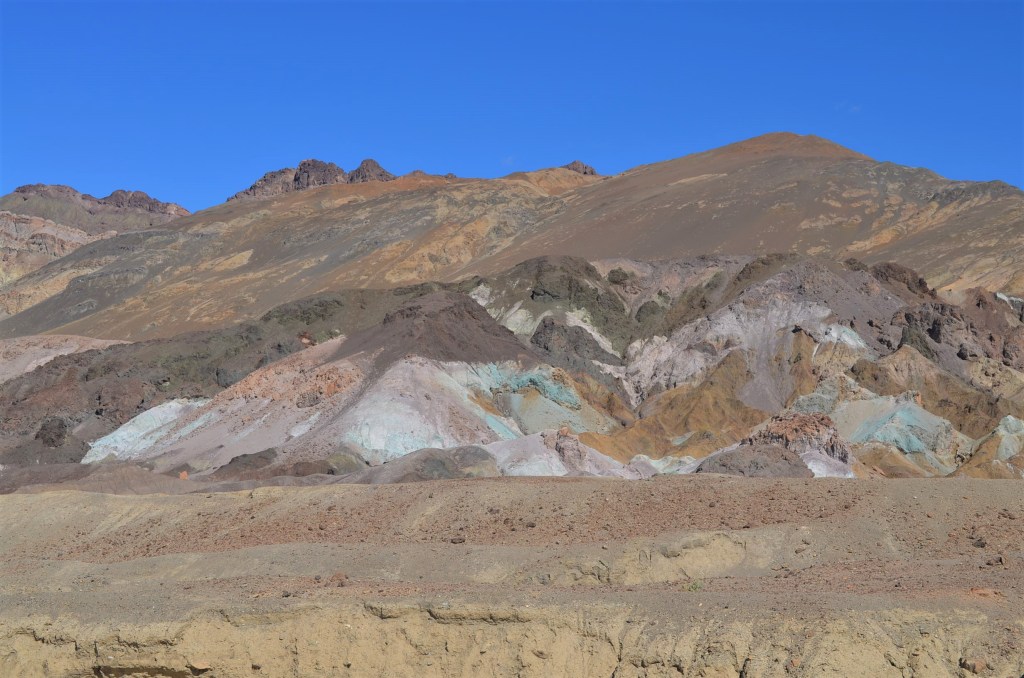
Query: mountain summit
[369,170]
[312,174]
[581,168]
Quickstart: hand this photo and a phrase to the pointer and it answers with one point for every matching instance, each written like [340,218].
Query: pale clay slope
[305,405]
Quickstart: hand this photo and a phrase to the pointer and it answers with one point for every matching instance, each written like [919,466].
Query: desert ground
[699,575]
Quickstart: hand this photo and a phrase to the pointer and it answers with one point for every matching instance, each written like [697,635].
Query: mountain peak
[310,174]
[369,170]
[789,143]
[142,201]
[315,172]
[581,167]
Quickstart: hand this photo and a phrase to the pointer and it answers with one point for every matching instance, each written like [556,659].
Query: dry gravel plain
[673,576]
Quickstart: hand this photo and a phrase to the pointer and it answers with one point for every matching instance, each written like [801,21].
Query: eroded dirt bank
[679,576]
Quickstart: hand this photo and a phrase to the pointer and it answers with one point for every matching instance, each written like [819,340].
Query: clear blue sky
[192,102]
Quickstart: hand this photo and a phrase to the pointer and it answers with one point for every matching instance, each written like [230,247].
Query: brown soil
[682,576]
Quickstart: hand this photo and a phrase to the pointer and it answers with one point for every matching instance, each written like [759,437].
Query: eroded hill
[555,367]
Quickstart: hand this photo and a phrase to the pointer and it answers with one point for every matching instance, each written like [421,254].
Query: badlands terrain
[756,411]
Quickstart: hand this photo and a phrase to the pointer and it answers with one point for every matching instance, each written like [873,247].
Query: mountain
[734,311]
[780,192]
[120,211]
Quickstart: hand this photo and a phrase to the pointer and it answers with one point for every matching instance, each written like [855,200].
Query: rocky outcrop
[141,201]
[983,327]
[441,326]
[802,433]
[902,277]
[24,354]
[725,343]
[270,184]
[369,170]
[310,174]
[581,168]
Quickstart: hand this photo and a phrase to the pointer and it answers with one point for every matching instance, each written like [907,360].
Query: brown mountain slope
[780,192]
[244,257]
[27,243]
[785,192]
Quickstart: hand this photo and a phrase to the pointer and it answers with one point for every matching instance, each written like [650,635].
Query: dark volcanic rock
[317,173]
[573,349]
[369,170]
[564,341]
[982,327]
[757,461]
[575,283]
[902,277]
[270,184]
[242,465]
[53,432]
[441,326]
[141,201]
[309,174]
[581,167]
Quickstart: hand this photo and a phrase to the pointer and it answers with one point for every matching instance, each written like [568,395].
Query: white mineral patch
[303,427]
[667,464]
[1011,431]
[133,438]
[1012,301]
[482,295]
[824,466]
[839,334]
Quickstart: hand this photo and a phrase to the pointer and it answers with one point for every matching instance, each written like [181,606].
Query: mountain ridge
[779,192]
[30,200]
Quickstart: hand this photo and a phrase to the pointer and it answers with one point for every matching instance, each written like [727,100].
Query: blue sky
[194,101]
